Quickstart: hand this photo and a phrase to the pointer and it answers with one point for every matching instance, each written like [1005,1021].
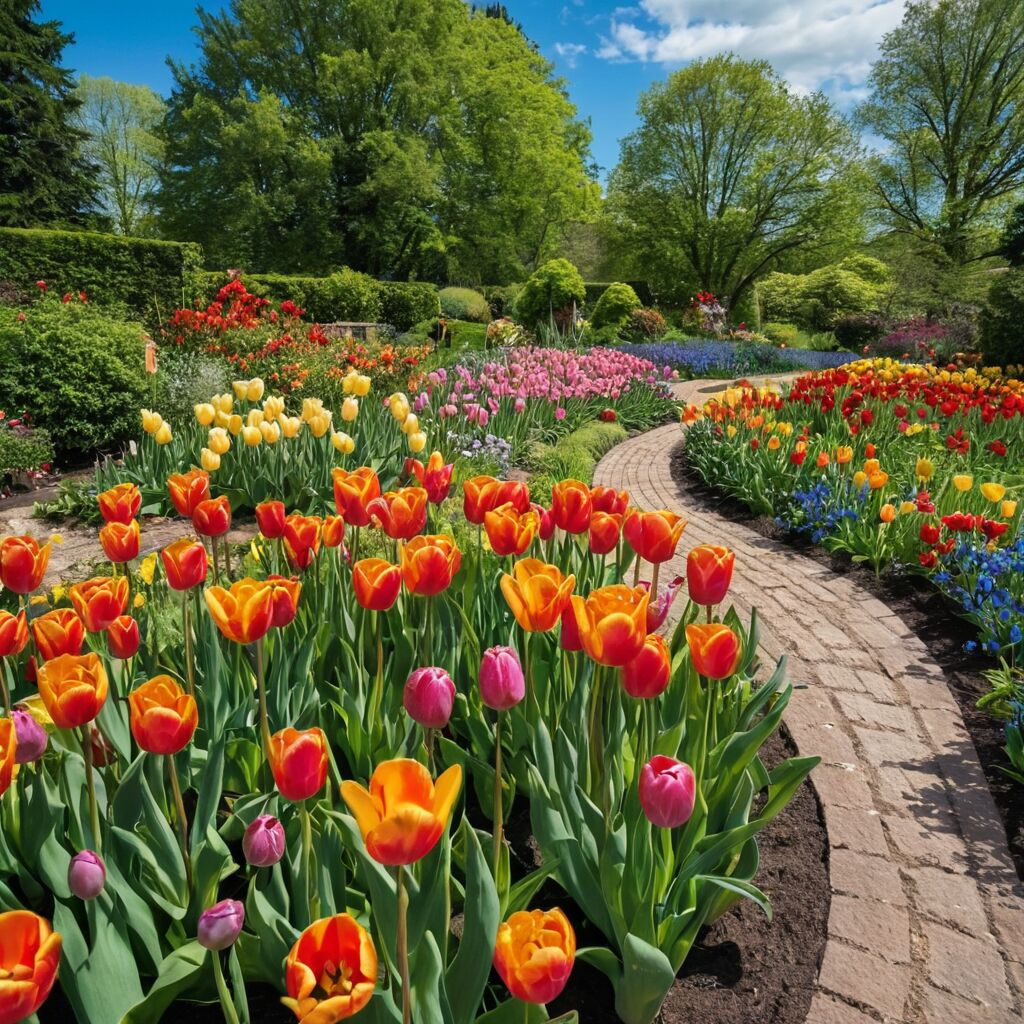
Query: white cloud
[570,52]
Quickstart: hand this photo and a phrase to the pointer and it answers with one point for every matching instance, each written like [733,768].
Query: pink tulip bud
[502,685]
[31,738]
[220,925]
[263,842]
[668,791]
[657,610]
[429,696]
[559,413]
[519,405]
[87,874]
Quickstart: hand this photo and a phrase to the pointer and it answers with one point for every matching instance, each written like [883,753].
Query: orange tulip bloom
[404,813]
[353,491]
[653,535]
[212,517]
[607,499]
[844,454]
[73,689]
[534,954]
[648,674]
[878,479]
[8,770]
[270,519]
[13,633]
[478,498]
[120,504]
[331,971]
[709,573]
[402,513]
[123,637]
[376,583]
[100,600]
[605,529]
[163,717]
[120,541]
[537,594]
[303,531]
[510,532]
[188,489]
[298,760]
[23,563]
[571,506]
[333,532]
[429,564]
[29,958]
[286,593]
[612,623]
[714,649]
[185,564]
[58,632]
[245,612]
[435,476]
[514,491]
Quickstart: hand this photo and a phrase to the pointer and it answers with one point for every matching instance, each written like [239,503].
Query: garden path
[927,912]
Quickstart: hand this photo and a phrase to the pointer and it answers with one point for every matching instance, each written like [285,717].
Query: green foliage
[404,303]
[1002,320]
[186,377]
[572,457]
[150,277]
[77,370]
[593,290]
[464,304]
[20,452]
[780,333]
[644,325]
[616,303]
[1011,245]
[855,330]
[502,298]
[551,288]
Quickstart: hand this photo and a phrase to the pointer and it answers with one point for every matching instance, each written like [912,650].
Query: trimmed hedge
[595,289]
[464,304]
[148,276]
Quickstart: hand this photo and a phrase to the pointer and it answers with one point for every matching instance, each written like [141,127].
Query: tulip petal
[446,792]
[363,807]
[408,834]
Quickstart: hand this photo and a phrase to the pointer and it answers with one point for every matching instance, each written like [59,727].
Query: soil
[927,613]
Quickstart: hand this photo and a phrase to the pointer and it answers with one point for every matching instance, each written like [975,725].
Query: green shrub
[405,303]
[23,451]
[186,377]
[77,370]
[464,304]
[855,330]
[148,276]
[616,303]
[780,333]
[593,290]
[573,456]
[1002,333]
[817,300]
[551,291]
[644,325]
[502,298]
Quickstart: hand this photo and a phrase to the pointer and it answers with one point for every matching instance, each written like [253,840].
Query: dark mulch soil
[927,613]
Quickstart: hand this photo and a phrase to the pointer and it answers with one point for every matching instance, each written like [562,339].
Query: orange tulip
[121,541]
[58,632]
[163,717]
[404,813]
[8,770]
[537,594]
[120,504]
[402,513]
[100,600]
[844,454]
[245,612]
[709,573]
[270,519]
[878,479]
[714,649]
[23,563]
[607,499]
[29,958]
[185,564]
[285,593]
[353,491]
[429,564]
[653,535]
[302,536]
[887,513]
[212,517]
[823,460]
[612,623]
[435,476]
[333,532]
[298,760]
[331,971]
[376,583]
[73,689]
[514,491]
[648,674]
[605,530]
[571,506]
[13,633]
[534,954]
[478,498]
[510,532]
[188,489]
[123,637]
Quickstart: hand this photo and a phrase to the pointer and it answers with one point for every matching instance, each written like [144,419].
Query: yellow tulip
[221,419]
[205,413]
[254,418]
[320,424]
[924,468]
[730,431]
[235,424]
[240,388]
[361,385]
[343,443]
[290,426]
[311,407]
[860,478]
[411,424]
[254,389]
[209,460]
[348,382]
[907,507]
[273,407]
[218,441]
[774,443]
[399,406]
[1008,509]
[223,403]
[349,409]
[252,436]
[993,492]
[139,601]
[163,435]
[963,481]
[417,442]
[151,421]
[271,432]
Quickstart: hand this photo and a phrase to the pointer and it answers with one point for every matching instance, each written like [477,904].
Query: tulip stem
[179,813]
[227,557]
[261,690]
[226,1002]
[216,563]
[402,945]
[310,897]
[636,572]
[5,691]
[499,809]
[186,628]
[378,682]
[90,785]
[654,581]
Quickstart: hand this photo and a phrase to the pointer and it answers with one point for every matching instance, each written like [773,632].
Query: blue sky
[608,51]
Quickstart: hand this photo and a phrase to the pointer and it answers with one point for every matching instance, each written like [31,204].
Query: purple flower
[220,925]
[263,842]
[31,738]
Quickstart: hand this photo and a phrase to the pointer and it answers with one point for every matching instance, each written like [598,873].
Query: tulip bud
[31,738]
[87,874]
[220,925]
[349,409]
[667,791]
[417,442]
[263,842]
[502,685]
[429,696]
[210,460]
[205,413]
[163,434]
[123,637]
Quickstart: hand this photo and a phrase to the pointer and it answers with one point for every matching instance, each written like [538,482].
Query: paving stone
[856,830]
[944,1008]
[929,843]
[844,786]
[885,927]
[857,874]
[950,898]
[1007,908]
[865,709]
[966,966]
[829,1010]
[865,978]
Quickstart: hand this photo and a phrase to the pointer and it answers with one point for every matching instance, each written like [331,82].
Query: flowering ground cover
[714,358]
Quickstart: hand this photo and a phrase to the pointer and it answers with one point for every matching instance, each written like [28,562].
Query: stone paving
[927,914]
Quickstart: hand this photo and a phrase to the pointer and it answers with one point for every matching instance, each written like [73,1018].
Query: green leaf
[177,973]
[646,978]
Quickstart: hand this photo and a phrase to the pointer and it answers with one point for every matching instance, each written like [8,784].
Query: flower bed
[709,358]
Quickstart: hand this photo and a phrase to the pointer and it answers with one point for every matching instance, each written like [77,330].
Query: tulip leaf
[429,999]
[177,973]
[513,1011]
[646,977]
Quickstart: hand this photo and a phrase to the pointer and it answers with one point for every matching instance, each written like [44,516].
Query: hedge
[595,289]
[148,276]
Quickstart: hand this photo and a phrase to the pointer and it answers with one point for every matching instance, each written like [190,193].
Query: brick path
[927,915]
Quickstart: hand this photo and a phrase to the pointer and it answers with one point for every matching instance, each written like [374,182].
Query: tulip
[163,434]
[210,461]
[402,513]
[376,583]
[714,649]
[709,573]
[13,633]
[284,599]
[607,499]
[350,409]
[658,609]
[963,481]
[1008,509]
[234,425]
[570,636]
[320,424]
[399,405]
[87,874]
[151,421]
[877,480]
[333,532]
[188,489]
[502,685]
[668,791]
[924,468]
[8,757]
[429,563]
[612,623]
[571,506]
[123,637]
[887,513]
[218,441]
[205,413]
[23,563]
[263,842]
[537,594]
[99,601]
[252,436]
[353,492]
[404,813]
[243,613]
[429,697]
[212,517]
[302,536]
[653,535]
[411,424]
[298,761]
[534,954]
[605,529]
[331,971]
[220,925]
[58,632]
[162,716]
[435,477]
[417,442]
[478,498]
[547,521]
[254,389]
[993,492]
[185,564]
[73,689]
[120,504]
[29,958]
[121,542]
[343,442]
[31,737]
[510,532]
[270,519]
[647,675]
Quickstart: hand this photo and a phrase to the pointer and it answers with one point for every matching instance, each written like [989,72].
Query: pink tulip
[502,685]
[668,791]
[263,842]
[429,697]
[87,874]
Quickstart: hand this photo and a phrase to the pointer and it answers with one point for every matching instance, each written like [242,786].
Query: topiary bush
[551,291]
[1002,320]
[464,304]
[644,325]
[780,333]
[613,308]
[406,303]
[855,330]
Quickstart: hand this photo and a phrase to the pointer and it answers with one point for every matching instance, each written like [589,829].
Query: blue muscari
[727,358]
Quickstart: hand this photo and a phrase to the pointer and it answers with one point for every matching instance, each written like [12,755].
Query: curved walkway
[927,914]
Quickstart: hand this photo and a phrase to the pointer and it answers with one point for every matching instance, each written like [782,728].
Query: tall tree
[121,121]
[728,176]
[44,177]
[947,96]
